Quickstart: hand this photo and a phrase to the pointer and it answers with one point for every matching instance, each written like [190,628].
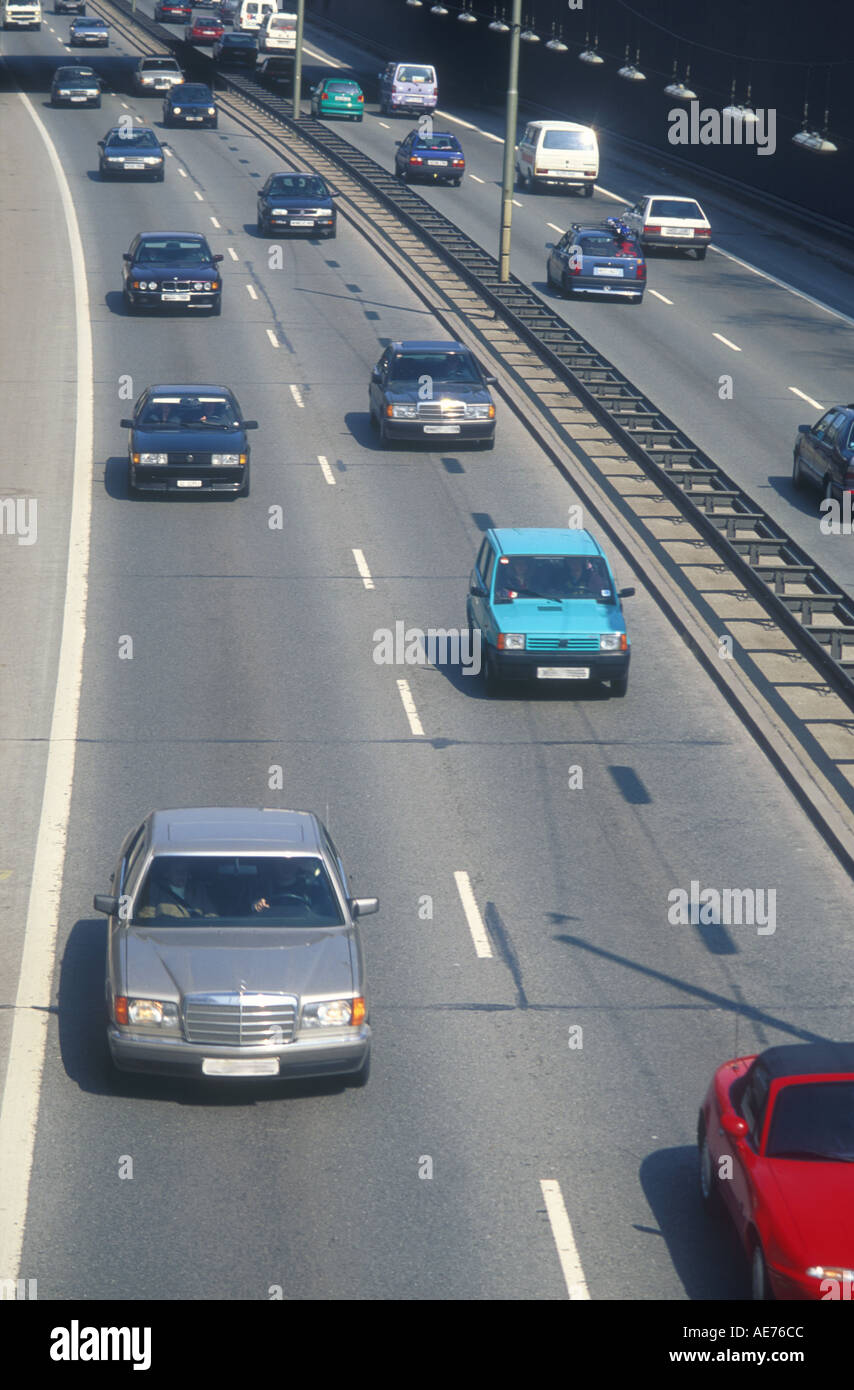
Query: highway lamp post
[511,117]
[298,57]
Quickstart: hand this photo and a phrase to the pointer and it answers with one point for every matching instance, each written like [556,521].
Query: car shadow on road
[805,500]
[467,678]
[81,1013]
[704,1249]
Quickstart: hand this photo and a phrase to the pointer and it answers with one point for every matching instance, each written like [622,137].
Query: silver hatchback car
[233,949]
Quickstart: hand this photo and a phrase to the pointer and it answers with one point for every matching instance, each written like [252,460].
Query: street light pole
[298,57]
[510,143]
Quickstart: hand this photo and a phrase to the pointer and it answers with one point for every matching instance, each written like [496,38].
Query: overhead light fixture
[498,26]
[631,71]
[745,114]
[438,9]
[466,17]
[528,36]
[815,141]
[680,90]
[416,4]
[556,44]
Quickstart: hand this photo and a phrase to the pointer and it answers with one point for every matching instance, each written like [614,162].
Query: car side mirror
[376,374]
[398,143]
[104,902]
[734,1126]
[491,380]
[550,246]
[126,424]
[126,256]
[626,593]
[363,907]
[477,590]
[803,429]
[250,424]
[217,258]
[100,144]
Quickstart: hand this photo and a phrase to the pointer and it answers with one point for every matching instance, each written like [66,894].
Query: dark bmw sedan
[420,390]
[135,151]
[75,87]
[436,158]
[171,268]
[188,439]
[296,202]
[236,51]
[192,103]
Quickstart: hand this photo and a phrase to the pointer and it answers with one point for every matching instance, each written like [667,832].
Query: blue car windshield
[297,186]
[191,91]
[172,252]
[187,412]
[407,368]
[554,577]
[227,890]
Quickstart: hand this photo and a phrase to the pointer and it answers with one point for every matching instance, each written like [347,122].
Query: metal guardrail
[795,591]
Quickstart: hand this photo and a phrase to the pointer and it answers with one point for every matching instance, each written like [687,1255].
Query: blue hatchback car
[546,605]
[606,261]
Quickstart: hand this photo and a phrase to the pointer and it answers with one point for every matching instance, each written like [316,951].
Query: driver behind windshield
[294,884]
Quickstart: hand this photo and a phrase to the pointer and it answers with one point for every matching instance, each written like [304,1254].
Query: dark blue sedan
[188,438]
[171,269]
[236,51]
[435,157]
[605,260]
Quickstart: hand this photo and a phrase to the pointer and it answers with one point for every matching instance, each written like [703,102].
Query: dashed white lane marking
[567,1251]
[516,203]
[554,227]
[183,173]
[232,253]
[215,222]
[325,469]
[251,291]
[726,342]
[125,105]
[273,339]
[297,395]
[476,179]
[804,397]
[409,706]
[197,194]
[473,917]
[385,125]
[330,62]
[168,154]
[362,567]
[662,297]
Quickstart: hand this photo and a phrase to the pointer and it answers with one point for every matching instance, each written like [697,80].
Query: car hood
[278,200]
[472,393]
[120,151]
[814,1203]
[181,441]
[190,103]
[572,616]
[143,270]
[207,960]
[80,84]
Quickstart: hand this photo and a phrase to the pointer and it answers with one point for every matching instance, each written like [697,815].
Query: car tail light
[415,159]
[575,269]
[121,1009]
[702,231]
[458,163]
[640,270]
[656,231]
[360,97]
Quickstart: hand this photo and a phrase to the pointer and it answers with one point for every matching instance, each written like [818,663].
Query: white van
[20,14]
[278,34]
[561,153]
[252,14]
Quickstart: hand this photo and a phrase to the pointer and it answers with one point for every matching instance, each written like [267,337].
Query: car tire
[488,443]
[130,307]
[709,1191]
[133,490]
[106,174]
[330,236]
[160,176]
[244,491]
[359,119]
[565,289]
[456,182]
[491,678]
[760,1284]
[798,479]
[214,124]
[385,442]
[261,225]
[636,299]
[216,307]
[588,190]
[618,686]
[97,103]
[700,252]
[360,1078]
[53,101]
[827,491]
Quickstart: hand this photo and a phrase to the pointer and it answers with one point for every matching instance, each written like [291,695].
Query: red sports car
[203,30]
[776,1139]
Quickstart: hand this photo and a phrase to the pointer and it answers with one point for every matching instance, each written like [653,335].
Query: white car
[154,74]
[660,219]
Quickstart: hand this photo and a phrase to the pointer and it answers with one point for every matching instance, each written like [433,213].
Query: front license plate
[174,295]
[79,98]
[189,482]
[563,673]
[607,270]
[302,222]
[237,1066]
[441,429]
[134,167]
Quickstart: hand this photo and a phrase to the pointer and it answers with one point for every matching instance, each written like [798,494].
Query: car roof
[158,58]
[671,197]
[544,540]
[199,236]
[428,345]
[560,125]
[190,389]
[808,1059]
[216,829]
[137,130]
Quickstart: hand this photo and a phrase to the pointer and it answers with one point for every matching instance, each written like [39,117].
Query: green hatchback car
[338,96]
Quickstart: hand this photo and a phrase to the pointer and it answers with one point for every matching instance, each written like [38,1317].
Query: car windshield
[350,89]
[603,244]
[192,91]
[553,577]
[91,23]
[568,140]
[286,22]
[814,1120]
[407,368]
[298,185]
[438,142]
[137,139]
[172,252]
[159,65]
[229,890]
[414,74]
[239,40]
[76,81]
[675,207]
[188,412]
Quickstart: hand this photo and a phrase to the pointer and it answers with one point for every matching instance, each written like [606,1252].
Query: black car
[75,87]
[824,453]
[134,151]
[296,202]
[236,50]
[166,268]
[192,103]
[436,158]
[172,12]
[423,389]
[69,7]
[188,439]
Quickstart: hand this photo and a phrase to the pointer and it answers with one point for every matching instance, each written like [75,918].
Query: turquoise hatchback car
[547,608]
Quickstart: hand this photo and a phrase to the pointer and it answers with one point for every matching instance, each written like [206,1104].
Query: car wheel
[261,225]
[636,299]
[709,1190]
[491,678]
[133,490]
[360,1078]
[105,173]
[360,119]
[244,491]
[214,124]
[798,479]
[760,1284]
[828,495]
[97,103]
[130,307]
[588,190]
[619,686]
[53,101]
[456,182]
[700,252]
[331,235]
[216,307]
[385,442]
[488,443]
[565,288]
[160,176]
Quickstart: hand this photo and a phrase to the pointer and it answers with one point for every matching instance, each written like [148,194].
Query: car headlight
[115,158]
[404,412]
[823,1272]
[211,110]
[610,641]
[154,460]
[63,92]
[480,412]
[514,641]
[334,1013]
[323,212]
[226,460]
[152,1012]
[176,110]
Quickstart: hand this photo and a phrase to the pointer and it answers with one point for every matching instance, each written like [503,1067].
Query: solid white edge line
[472,913]
[415,724]
[567,1251]
[325,469]
[273,339]
[21,1091]
[362,567]
[804,397]
[554,227]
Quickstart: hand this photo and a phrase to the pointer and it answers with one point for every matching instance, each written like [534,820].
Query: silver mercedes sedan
[233,949]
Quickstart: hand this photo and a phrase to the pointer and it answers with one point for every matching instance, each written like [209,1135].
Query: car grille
[562,644]
[189,460]
[177,286]
[434,410]
[240,1020]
